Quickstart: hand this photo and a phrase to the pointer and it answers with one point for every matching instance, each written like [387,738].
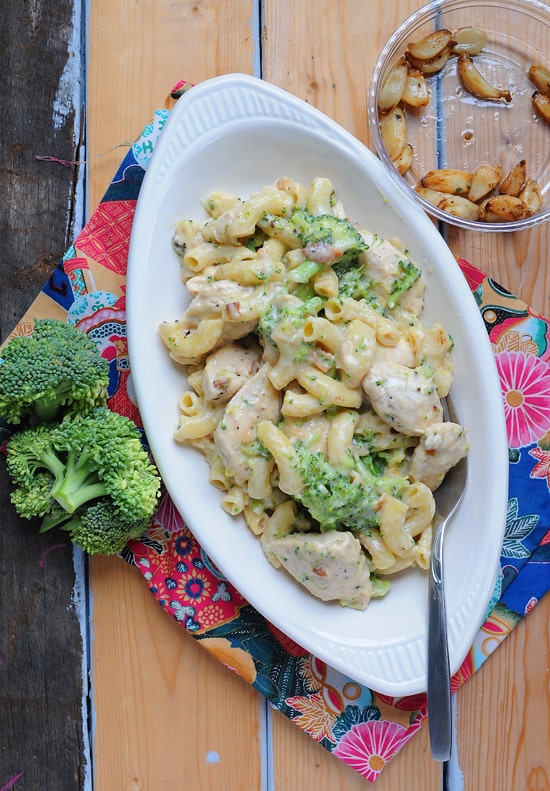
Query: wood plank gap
[82,605]
[79,216]
[452,777]
[70,99]
[265,737]
[257,35]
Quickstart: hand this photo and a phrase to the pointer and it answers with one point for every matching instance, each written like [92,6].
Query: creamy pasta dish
[314,386]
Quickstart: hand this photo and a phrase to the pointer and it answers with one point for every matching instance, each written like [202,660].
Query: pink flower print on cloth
[525,382]
[368,746]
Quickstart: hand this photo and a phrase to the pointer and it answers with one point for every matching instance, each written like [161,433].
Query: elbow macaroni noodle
[238,264]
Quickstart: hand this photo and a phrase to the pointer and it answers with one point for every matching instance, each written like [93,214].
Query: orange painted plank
[166,712]
[325,54]
[138,50]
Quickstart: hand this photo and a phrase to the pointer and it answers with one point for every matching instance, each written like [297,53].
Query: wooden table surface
[98,687]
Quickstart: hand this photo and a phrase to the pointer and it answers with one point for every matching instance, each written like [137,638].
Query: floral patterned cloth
[360,726]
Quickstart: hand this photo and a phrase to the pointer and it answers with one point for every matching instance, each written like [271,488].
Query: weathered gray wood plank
[42,733]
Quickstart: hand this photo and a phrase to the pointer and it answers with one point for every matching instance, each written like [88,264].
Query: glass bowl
[458,130]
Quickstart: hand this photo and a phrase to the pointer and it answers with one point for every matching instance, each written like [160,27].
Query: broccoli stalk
[80,483]
[305,271]
[60,471]
[55,371]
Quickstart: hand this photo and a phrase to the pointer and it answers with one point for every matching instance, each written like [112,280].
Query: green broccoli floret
[372,469]
[331,496]
[409,274]
[326,238]
[379,587]
[61,470]
[280,227]
[35,499]
[100,529]
[338,499]
[55,371]
[353,282]
[290,311]
[30,452]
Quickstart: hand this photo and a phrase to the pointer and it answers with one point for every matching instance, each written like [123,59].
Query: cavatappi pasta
[313,385]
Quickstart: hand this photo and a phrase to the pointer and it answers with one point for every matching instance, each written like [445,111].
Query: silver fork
[447,499]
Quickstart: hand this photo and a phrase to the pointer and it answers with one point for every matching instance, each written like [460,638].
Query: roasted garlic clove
[404,160]
[433,65]
[484,179]
[505,208]
[540,75]
[460,207]
[542,104]
[448,180]
[531,195]
[393,86]
[430,46]
[415,93]
[514,180]
[470,40]
[432,196]
[476,84]
[456,205]
[393,131]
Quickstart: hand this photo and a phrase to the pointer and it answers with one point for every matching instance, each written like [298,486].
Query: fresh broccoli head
[337,499]
[100,529]
[326,238]
[61,470]
[55,371]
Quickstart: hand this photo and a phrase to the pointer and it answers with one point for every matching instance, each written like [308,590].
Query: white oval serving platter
[237,133]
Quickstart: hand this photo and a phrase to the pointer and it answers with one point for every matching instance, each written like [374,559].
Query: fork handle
[439,676]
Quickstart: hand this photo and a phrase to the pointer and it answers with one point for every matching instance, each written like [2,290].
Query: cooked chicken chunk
[402,353]
[331,565]
[227,370]
[257,400]
[311,430]
[440,448]
[381,259]
[234,330]
[214,297]
[403,397]
[412,300]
